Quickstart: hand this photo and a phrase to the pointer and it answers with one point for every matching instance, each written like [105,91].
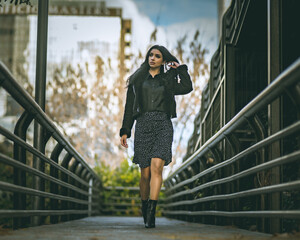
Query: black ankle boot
[150,221]
[144,209]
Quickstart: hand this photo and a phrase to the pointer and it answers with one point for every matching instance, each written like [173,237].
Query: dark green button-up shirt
[153,94]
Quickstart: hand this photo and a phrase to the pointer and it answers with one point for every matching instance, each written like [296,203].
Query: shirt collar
[150,76]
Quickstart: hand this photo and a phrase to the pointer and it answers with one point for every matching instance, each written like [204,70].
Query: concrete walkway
[117,228]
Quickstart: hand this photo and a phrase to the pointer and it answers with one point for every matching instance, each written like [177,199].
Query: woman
[150,101]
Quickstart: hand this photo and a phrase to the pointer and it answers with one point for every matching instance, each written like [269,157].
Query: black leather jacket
[173,87]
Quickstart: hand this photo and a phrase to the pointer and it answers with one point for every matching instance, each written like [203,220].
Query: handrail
[8,82]
[243,169]
[77,186]
[294,128]
[239,182]
[14,163]
[286,78]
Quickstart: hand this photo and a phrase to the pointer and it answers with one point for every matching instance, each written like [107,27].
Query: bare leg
[157,165]
[145,183]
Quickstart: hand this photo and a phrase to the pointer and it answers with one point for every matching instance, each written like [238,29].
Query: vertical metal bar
[19,175]
[99,195]
[77,195]
[228,91]
[40,89]
[63,190]
[90,196]
[274,109]
[71,193]
[82,196]
[53,186]
[41,54]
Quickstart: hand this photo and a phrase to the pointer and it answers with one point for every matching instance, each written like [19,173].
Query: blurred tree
[68,98]
[85,105]
[193,54]
[106,99]
[87,102]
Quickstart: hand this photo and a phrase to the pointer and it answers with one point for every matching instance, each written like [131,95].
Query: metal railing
[233,20]
[210,117]
[228,182]
[68,187]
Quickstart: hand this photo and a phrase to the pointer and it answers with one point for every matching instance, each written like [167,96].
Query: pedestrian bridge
[192,193]
[111,228]
[241,171]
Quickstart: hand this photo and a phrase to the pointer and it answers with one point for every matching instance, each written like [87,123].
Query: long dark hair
[143,70]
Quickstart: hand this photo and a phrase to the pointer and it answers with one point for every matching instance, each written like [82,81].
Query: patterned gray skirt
[153,138]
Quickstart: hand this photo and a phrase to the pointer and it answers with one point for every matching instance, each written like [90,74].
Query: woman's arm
[128,113]
[185,85]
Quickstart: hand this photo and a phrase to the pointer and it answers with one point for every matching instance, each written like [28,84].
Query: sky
[172,18]
[168,12]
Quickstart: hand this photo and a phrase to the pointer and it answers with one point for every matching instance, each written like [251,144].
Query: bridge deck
[107,227]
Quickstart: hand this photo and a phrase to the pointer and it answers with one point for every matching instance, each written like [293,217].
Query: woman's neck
[154,71]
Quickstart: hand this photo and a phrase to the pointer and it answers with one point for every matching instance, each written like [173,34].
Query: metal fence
[228,182]
[66,188]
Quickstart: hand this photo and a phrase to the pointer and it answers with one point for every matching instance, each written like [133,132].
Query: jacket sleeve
[185,85]
[128,113]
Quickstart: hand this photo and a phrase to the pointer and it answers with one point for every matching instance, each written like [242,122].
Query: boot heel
[144,209]
[150,220]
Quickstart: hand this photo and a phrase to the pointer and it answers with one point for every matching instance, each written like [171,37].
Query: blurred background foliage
[124,202]
[124,175]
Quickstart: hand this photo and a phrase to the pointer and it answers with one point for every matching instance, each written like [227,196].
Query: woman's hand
[173,64]
[124,141]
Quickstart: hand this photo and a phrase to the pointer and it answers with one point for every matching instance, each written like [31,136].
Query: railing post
[275,108]
[53,186]
[40,89]
[97,195]
[90,196]
[71,193]
[82,175]
[20,176]
[77,195]
[66,179]
[63,190]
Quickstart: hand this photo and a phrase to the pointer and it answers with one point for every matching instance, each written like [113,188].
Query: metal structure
[40,97]
[62,185]
[70,190]
[224,189]
[242,161]
[242,166]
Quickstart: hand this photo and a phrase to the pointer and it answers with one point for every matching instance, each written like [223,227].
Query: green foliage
[124,175]
[121,202]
